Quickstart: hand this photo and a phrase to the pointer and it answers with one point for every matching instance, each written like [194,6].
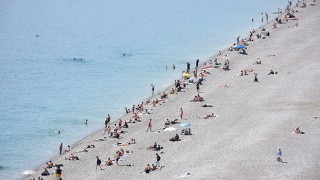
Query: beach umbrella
[184,124]
[29,172]
[169,129]
[240,47]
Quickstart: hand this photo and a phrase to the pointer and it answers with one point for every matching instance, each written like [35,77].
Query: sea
[65,61]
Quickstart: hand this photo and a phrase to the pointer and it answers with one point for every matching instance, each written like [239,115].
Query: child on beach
[279,154]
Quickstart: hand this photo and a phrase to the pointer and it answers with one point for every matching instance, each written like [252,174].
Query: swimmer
[173,67]
[86,122]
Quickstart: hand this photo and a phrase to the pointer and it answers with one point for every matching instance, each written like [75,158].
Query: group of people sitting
[155,147]
[134,118]
[271,72]
[186,131]
[163,95]
[149,168]
[197,98]
[245,71]
[72,157]
[168,123]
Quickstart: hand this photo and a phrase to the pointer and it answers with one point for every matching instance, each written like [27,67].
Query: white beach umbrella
[29,172]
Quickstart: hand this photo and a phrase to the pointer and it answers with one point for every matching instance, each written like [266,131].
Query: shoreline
[94,133]
[97,133]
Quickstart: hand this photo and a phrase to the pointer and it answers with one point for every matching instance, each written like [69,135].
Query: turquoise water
[43,89]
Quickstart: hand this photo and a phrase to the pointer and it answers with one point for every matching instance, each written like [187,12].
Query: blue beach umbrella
[240,47]
[184,124]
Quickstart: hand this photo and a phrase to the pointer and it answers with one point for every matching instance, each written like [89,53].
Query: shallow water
[43,89]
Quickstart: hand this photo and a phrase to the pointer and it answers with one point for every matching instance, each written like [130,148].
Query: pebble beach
[252,118]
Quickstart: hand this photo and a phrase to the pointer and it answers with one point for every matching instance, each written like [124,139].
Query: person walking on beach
[267,18]
[198,86]
[158,160]
[58,172]
[255,77]
[149,126]
[60,148]
[181,113]
[98,163]
[197,63]
[279,154]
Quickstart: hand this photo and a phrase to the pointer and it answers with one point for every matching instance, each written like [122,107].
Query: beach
[254,118]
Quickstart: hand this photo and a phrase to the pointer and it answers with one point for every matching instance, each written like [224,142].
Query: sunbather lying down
[209,116]
[100,139]
[72,157]
[84,150]
[155,147]
[206,105]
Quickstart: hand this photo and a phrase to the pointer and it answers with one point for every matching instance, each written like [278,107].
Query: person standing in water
[152,89]
[60,148]
[197,63]
[267,18]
